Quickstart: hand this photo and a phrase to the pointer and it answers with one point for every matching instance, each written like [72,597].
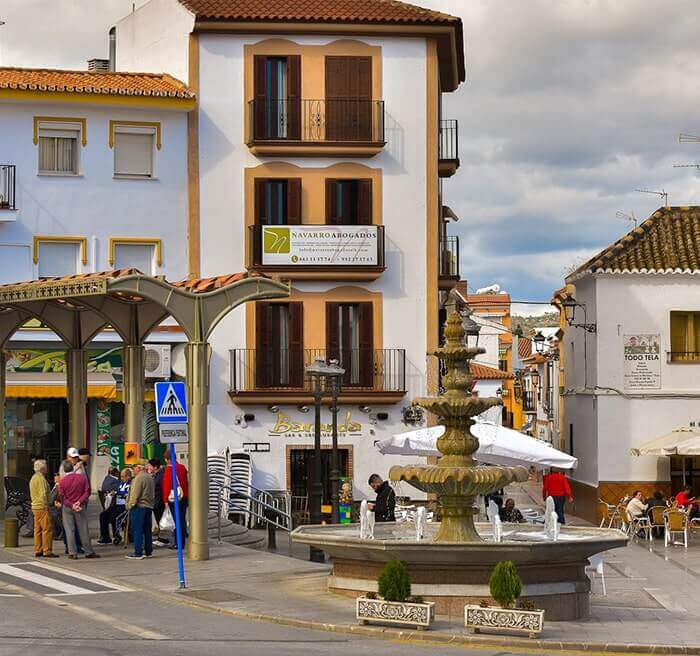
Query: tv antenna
[684,137]
[661,193]
[627,217]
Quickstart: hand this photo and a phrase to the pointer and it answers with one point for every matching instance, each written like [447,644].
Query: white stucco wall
[94,204]
[155,38]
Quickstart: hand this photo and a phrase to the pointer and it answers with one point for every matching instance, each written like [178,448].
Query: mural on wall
[47,361]
[103,415]
[642,353]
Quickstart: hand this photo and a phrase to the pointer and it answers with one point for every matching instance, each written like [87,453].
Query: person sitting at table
[510,514]
[636,506]
[686,501]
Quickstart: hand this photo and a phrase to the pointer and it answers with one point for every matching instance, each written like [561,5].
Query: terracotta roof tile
[113,84]
[337,11]
[484,372]
[669,240]
[488,299]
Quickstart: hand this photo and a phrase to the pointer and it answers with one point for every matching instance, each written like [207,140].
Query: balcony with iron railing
[687,357]
[449,262]
[529,401]
[275,376]
[448,148]
[353,128]
[7,190]
[317,251]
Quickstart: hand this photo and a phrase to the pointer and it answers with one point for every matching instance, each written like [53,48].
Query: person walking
[43,526]
[386,499]
[183,495]
[74,491]
[556,485]
[155,469]
[140,506]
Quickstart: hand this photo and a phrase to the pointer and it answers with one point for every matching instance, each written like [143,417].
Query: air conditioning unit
[156,362]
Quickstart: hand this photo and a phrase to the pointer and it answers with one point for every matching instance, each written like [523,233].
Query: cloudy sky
[569,106]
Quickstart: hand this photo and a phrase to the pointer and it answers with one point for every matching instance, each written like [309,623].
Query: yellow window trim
[145,241]
[138,124]
[60,119]
[70,240]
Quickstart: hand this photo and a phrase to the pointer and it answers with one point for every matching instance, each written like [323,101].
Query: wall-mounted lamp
[273,408]
[303,408]
[569,303]
[539,340]
[366,409]
[243,420]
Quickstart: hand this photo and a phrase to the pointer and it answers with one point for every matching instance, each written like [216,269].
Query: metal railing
[256,251]
[449,257]
[7,187]
[529,401]
[370,370]
[448,143]
[288,119]
[682,356]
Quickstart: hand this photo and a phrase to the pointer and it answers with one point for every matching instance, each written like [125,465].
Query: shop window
[685,337]
[279,354]
[349,339]
[278,201]
[348,202]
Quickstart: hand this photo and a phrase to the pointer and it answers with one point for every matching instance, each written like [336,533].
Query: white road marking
[44,581]
[83,577]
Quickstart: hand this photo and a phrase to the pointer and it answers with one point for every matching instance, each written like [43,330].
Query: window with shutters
[58,258]
[134,152]
[277,102]
[349,339]
[59,148]
[685,337]
[349,202]
[279,352]
[135,256]
[278,201]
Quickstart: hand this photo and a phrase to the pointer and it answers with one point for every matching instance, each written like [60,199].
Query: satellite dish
[177,360]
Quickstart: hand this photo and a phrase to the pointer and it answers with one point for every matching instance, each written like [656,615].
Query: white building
[301,132]
[631,358]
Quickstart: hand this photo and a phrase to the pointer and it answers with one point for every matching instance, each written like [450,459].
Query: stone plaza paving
[653,595]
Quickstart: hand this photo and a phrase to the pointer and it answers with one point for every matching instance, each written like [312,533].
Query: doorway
[300,472]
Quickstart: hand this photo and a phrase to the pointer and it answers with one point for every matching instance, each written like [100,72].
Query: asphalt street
[44,609]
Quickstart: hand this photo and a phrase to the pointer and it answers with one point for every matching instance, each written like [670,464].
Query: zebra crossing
[44,579]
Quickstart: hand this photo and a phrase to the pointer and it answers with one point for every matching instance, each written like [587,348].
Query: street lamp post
[334,379]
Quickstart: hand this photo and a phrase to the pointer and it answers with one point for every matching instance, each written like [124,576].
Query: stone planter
[395,612]
[504,619]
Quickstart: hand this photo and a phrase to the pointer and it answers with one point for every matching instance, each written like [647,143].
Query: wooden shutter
[260,104]
[332,216]
[263,345]
[364,202]
[294,201]
[296,344]
[332,331]
[366,359]
[294,96]
[261,217]
[679,332]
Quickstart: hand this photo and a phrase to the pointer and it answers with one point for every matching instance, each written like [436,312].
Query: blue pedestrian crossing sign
[171,402]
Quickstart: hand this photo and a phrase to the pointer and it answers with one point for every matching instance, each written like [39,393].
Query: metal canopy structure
[77,308]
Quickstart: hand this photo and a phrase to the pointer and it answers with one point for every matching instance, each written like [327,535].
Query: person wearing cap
[72,458]
[140,507]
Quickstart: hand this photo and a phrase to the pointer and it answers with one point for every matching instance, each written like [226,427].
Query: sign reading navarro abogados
[642,361]
[301,245]
[285,426]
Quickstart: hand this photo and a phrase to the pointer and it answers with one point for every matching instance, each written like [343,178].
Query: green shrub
[394,582]
[505,585]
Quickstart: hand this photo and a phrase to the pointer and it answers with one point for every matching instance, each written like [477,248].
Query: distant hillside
[541,320]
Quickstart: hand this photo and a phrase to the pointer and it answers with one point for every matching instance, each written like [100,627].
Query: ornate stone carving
[508,619]
[395,612]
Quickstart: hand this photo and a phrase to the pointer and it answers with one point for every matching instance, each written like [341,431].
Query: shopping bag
[166,521]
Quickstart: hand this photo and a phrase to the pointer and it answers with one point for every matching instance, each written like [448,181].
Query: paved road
[45,609]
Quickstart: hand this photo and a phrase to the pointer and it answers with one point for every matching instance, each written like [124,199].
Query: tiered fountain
[451,565]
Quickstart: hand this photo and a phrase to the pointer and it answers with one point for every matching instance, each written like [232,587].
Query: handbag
[166,521]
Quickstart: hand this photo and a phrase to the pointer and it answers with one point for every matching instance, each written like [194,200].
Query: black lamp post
[539,340]
[334,377]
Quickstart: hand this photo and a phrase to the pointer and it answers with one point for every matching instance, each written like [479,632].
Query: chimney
[112,49]
[98,65]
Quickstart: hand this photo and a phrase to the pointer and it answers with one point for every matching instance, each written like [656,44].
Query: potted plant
[505,587]
[395,605]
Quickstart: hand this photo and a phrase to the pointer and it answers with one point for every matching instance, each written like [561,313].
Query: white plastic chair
[594,567]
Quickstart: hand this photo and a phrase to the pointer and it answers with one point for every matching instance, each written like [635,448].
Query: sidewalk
[653,596]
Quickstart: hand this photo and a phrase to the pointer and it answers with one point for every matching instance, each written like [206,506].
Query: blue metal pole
[178,524]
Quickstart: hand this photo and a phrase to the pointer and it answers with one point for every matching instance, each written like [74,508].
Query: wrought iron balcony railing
[449,257]
[448,144]
[315,121]
[529,402]
[283,370]
[7,187]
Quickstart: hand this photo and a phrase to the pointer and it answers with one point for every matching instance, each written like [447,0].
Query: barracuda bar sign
[319,245]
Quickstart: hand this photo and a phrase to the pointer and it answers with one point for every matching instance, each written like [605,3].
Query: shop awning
[53,386]
[683,441]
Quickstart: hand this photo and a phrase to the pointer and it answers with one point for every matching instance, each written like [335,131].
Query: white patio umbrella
[683,441]
[497,446]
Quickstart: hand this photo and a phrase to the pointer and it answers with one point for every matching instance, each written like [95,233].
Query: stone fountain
[452,561]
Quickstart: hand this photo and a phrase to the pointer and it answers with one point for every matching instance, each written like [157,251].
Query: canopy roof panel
[80,306]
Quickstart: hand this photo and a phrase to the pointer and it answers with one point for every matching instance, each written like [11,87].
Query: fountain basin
[453,574]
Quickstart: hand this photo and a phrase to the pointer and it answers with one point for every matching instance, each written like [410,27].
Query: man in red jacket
[183,494]
[556,485]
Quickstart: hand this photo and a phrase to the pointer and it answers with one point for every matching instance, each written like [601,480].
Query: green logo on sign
[276,240]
